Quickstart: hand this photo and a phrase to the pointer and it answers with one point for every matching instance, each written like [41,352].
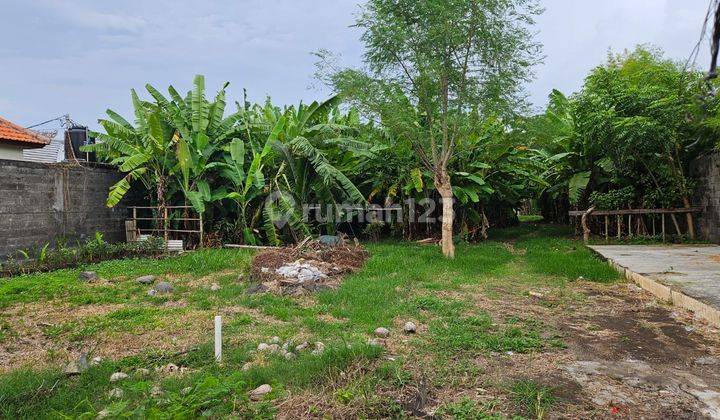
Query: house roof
[13,133]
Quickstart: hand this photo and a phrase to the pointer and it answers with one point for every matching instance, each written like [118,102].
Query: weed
[532,398]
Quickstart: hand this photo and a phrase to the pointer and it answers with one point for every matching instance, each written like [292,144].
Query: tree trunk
[442,184]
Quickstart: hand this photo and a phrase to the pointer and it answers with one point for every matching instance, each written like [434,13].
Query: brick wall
[42,202]
[707,170]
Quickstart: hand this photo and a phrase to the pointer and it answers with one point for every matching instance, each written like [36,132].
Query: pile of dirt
[310,267]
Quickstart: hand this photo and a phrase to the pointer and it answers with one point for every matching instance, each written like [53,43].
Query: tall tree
[431,64]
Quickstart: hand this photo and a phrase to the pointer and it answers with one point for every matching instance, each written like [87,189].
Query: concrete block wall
[40,203]
[707,170]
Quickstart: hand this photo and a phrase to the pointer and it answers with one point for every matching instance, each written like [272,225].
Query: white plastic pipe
[218,339]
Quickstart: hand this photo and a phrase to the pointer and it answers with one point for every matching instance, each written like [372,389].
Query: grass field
[458,306]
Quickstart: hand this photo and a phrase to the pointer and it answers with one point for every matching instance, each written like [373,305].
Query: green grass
[401,281]
[532,398]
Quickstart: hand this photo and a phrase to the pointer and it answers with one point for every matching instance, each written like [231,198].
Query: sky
[80,57]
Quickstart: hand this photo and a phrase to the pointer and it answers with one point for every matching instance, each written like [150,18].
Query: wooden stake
[619,227]
[218,339]
[607,231]
[663,227]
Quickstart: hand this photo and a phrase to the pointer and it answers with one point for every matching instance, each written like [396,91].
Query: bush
[92,251]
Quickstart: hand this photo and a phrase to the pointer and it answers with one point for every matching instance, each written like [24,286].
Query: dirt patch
[308,268]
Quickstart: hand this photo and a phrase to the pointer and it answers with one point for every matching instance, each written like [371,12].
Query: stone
[319,348]
[275,340]
[274,348]
[142,372]
[152,292]
[96,361]
[707,361]
[289,355]
[149,279]
[247,366]
[88,276]
[256,288]
[300,272]
[260,392]
[163,288]
[263,347]
[382,332]
[186,390]
[103,414]
[156,391]
[302,346]
[118,376]
[72,368]
[410,327]
[264,270]
[536,294]
[376,342]
[215,287]
[76,367]
[116,393]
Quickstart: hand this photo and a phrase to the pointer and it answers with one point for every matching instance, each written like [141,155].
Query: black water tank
[79,137]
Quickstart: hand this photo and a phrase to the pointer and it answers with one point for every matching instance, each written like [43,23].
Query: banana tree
[312,151]
[246,184]
[145,151]
[201,131]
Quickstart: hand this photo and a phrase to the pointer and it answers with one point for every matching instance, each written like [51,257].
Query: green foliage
[88,252]
[613,199]
[534,399]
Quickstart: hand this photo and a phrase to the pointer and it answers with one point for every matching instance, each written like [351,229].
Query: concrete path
[693,271]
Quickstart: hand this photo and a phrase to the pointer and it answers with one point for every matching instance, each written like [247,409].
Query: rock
[240,277]
[88,276]
[163,288]
[72,368]
[274,348]
[103,414]
[256,288]
[536,294]
[169,368]
[300,272]
[319,348]
[275,340]
[96,361]
[118,376]
[215,287]
[581,278]
[152,292]
[264,270]
[247,366]
[142,372]
[410,327]
[376,342]
[116,393]
[707,361]
[382,332]
[302,346]
[259,393]
[633,287]
[186,390]
[688,328]
[149,279]
[76,367]
[263,347]
[156,391]
[289,356]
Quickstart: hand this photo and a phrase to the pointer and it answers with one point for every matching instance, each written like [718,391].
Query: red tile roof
[10,132]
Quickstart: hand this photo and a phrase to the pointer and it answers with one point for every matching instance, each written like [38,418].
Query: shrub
[91,251]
